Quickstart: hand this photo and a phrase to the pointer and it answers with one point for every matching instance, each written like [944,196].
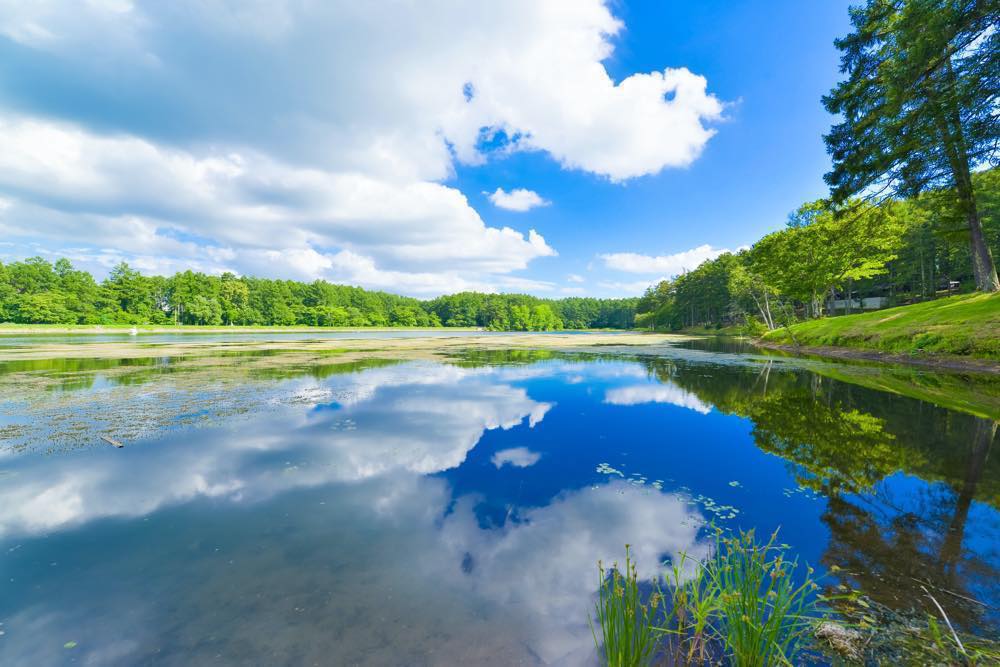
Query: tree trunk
[950,126]
[951,547]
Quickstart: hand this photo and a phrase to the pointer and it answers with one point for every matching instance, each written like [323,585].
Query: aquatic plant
[765,611]
[747,603]
[687,626]
[628,638]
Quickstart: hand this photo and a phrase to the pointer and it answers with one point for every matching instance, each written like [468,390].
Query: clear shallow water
[119,336]
[453,513]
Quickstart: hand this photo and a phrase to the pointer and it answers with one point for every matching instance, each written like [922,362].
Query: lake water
[15,340]
[449,513]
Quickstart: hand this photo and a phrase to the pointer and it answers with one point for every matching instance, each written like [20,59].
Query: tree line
[36,291]
[899,251]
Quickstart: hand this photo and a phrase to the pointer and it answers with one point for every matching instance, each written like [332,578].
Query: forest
[36,291]
[829,260]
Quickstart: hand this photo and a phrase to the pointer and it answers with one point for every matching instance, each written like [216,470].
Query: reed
[765,610]
[747,604]
[628,638]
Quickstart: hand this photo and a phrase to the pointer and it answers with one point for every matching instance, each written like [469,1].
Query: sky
[558,148]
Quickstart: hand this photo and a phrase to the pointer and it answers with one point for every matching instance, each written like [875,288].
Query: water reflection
[422,418]
[419,512]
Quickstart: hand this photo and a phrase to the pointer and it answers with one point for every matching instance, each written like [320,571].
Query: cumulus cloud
[282,135]
[575,278]
[518,199]
[667,265]
[253,213]
[629,288]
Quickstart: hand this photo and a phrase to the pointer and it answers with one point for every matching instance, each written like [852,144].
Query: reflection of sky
[368,435]
[422,513]
[422,418]
[664,393]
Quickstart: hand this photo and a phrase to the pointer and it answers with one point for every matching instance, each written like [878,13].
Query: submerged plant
[629,638]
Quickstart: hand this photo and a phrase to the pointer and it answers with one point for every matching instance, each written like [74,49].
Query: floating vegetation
[710,506]
[73,404]
[606,469]
[804,491]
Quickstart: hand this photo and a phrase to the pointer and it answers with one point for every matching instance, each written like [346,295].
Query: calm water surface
[452,513]
[122,336]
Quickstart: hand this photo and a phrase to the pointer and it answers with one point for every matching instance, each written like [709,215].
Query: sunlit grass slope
[966,325]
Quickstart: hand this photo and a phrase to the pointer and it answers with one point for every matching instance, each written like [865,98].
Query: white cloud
[668,265]
[575,278]
[260,216]
[518,199]
[519,457]
[656,393]
[330,132]
[632,288]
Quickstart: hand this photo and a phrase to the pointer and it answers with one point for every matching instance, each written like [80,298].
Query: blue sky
[366,143]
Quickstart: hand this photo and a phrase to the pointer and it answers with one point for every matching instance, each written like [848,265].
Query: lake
[274,508]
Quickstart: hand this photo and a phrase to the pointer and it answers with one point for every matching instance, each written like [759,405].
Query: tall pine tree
[919,105]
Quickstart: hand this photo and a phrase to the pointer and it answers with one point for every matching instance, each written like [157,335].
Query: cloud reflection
[426,419]
[656,393]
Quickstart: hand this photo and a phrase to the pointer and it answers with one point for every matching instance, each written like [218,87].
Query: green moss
[966,325]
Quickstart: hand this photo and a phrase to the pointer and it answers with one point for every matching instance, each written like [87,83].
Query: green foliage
[918,106]
[766,612]
[36,292]
[747,602]
[900,251]
[520,312]
[628,636]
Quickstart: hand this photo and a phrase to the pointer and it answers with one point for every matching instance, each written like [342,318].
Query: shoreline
[931,362]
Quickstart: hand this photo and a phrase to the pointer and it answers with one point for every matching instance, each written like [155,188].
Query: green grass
[966,325]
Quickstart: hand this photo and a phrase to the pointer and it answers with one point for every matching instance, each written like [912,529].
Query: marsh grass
[747,604]
[765,609]
[626,622]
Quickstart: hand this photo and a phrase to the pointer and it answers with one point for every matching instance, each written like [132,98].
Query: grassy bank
[966,325]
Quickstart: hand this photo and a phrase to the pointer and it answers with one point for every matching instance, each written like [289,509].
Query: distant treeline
[900,251]
[35,291]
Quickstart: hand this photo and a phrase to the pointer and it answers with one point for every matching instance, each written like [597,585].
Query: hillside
[966,325]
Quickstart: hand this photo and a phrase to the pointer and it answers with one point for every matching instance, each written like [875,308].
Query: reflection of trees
[889,551]
[836,449]
[835,446]
[845,439]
